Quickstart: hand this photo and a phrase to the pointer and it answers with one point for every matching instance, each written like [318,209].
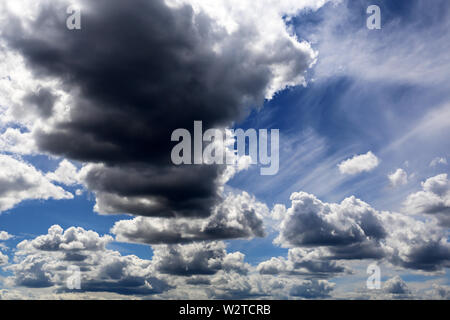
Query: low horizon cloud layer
[88,189]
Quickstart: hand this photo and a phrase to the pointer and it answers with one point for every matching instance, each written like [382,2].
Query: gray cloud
[350,230]
[204,258]
[312,289]
[238,216]
[42,100]
[312,263]
[354,230]
[396,285]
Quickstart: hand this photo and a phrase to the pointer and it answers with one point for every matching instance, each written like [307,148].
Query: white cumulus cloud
[359,163]
[398,178]
[21,181]
[5,236]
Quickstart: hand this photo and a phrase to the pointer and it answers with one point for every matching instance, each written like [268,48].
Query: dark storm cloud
[137,70]
[166,191]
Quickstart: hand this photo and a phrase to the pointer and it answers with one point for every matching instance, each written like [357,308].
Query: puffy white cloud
[5,236]
[359,163]
[66,173]
[20,181]
[71,240]
[398,178]
[238,216]
[14,141]
[433,200]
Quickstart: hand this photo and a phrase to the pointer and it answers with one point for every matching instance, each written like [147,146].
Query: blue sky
[385,91]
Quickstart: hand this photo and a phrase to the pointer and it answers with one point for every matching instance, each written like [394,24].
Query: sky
[92,207]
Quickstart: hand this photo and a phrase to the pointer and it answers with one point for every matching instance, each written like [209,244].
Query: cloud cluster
[229,285]
[415,244]
[353,230]
[195,270]
[109,95]
[48,261]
